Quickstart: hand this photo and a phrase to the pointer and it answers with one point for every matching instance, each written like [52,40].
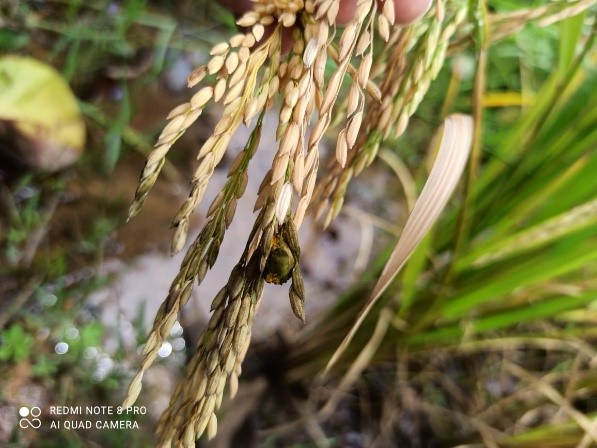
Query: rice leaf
[454,149]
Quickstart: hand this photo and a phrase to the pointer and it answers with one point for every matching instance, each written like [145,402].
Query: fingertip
[346,11]
[407,11]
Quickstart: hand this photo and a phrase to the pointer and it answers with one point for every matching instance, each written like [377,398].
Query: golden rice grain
[236,40]
[287,19]
[215,64]
[342,148]
[178,110]
[285,114]
[191,117]
[332,12]
[201,98]
[248,41]
[233,93]
[290,139]
[249,19]
[364,70]
[301,109]
[239,74]
[354,126]
[219,89]
[363,43]
[388,11]
[196,76]
[258,31]
[292,95]
[231,62]
[219,49]
[279,168]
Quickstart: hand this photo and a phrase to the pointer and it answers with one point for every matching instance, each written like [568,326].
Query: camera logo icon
[29,417]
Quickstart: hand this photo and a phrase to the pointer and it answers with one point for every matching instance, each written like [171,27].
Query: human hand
[406,11]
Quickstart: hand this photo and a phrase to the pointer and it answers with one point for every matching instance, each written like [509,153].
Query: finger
[407,11]
[346,11]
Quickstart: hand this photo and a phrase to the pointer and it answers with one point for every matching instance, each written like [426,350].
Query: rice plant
[380,73]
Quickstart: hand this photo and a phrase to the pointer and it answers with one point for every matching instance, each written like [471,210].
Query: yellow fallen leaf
[39,115]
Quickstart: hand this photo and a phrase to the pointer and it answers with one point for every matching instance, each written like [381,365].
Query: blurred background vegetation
[486,339]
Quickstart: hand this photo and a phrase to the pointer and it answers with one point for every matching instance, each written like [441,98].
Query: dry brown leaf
[455,145]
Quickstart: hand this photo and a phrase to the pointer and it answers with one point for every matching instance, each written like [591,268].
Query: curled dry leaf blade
[456,141]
